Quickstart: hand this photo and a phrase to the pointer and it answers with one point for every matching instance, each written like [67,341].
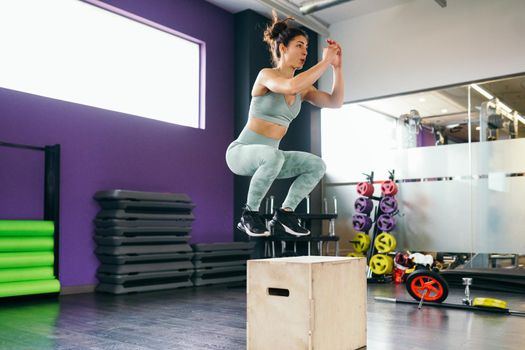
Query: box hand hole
[280,292]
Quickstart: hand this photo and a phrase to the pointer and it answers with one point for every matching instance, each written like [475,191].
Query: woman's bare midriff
[265,128]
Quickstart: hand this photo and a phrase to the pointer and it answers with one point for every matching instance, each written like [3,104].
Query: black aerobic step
[221,258]
[212,247]
[146,267]
[126,259]
[123,278]
[145,285]
[147,206]
[144,231]
[143,249]
[219,275]
[118,241]
[123,214]
[123,223]
[141,195]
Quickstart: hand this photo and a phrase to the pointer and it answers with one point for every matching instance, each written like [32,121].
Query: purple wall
[105,150]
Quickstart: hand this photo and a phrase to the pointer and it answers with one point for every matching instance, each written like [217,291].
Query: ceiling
[328,16]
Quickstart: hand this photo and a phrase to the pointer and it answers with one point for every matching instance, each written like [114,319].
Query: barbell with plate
[363,205]
[489,302]
[386,222]
[388,204]
[355,255]
[361,222]
[365,189]
[389,188]
[361,242]
[381,264]
[385,243]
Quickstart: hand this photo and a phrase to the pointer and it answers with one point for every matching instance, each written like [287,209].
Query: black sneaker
[289,222]
[252,224]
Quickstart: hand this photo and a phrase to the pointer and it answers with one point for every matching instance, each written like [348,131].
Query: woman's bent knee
[318,166]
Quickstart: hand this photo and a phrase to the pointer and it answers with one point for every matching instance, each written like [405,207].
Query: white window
[352,138]
[102,57]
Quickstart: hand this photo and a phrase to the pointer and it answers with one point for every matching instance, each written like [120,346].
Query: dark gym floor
[215,317]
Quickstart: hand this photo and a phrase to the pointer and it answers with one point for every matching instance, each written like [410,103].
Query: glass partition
[457,157]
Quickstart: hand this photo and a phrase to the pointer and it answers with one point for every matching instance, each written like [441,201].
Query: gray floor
[214,318]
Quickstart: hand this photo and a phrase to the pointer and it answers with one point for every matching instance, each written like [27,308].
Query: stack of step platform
[221,263]
[142,241]
[27,258]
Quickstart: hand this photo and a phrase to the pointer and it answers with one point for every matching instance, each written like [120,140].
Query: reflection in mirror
[441,117]
[460,201]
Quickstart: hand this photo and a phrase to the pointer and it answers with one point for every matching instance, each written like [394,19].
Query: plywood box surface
[310,302]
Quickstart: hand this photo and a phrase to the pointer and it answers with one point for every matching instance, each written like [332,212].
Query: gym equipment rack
[49,287]
[375,231]
[320,241]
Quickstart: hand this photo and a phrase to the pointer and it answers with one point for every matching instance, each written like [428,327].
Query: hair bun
[278,28]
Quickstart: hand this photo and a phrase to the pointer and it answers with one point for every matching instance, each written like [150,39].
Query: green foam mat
[26,274]
[10,260]
[26,244]
[26,228]
[11,289]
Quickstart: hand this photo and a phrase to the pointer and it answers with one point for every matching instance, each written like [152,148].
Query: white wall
[420,45]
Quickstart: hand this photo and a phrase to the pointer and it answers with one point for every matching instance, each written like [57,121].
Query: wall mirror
[457,157]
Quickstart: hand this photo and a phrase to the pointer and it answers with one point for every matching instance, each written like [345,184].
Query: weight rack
[51,211]
[305,218]
[375,230]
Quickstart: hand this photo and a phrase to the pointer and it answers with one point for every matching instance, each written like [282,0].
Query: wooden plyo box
[310,302]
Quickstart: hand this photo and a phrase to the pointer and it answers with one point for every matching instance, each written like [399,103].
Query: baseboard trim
[87,288]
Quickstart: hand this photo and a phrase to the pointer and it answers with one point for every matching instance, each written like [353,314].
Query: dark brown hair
[278,32]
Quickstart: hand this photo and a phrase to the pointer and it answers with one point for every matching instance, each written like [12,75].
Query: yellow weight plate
[355,255]
[361,242]
[409,271]
[489,302]
[385,243]
[381,264]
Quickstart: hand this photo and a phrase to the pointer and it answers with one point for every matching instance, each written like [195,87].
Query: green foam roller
[26,274]
[26,228]
[26,244]
[10,260]
[11,289]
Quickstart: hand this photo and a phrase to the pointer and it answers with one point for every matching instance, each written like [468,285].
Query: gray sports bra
[273,107]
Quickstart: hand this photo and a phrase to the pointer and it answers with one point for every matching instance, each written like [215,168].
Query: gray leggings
[257,156]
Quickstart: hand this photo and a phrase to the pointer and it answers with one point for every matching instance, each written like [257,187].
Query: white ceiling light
[318,5]
[504,107]
[287,9]
[499,104]
[482,91]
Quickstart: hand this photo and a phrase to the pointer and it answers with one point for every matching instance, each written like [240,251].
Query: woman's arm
[271,79]
[335,99]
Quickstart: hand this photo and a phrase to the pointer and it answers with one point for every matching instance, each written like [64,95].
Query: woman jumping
[277,95]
